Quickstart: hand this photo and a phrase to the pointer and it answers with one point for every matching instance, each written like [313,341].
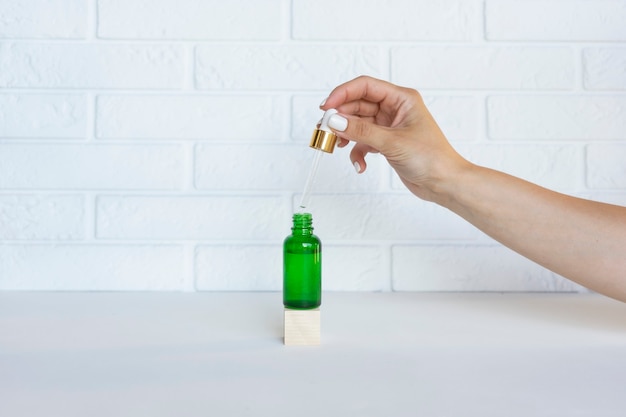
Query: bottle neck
[302,224]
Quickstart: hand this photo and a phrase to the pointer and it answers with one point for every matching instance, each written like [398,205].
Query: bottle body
[302,265]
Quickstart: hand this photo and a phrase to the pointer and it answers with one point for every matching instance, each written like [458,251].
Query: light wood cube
[302,327]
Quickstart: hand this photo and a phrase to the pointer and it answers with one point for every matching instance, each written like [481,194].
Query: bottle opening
[302,220]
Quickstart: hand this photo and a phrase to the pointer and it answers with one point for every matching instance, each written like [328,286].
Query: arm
[582,240]
[579,239]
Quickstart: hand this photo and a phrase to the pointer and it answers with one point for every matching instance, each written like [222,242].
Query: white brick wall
[162,145]
[484,67]
[555,20]
[185,116]
[203,20]
[37,116]
[90,65]
[28,166]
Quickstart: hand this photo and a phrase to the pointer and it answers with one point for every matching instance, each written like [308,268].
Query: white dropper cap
[326,118]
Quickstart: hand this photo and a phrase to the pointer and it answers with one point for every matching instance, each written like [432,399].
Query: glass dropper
[306,194]
[323,140]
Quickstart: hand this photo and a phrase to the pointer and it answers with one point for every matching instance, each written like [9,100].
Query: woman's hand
[382,117]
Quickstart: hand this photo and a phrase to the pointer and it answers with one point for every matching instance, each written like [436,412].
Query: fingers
[357,156]
[370,112]
[359,130]
[342,143]
[361,88]
[361,108]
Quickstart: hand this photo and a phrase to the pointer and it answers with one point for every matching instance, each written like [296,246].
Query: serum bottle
[302,265]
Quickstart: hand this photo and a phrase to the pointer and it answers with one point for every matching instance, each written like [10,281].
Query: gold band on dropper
[323,140]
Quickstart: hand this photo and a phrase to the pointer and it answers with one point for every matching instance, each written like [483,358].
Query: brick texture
[189,117]
[511,67]
[283,67]
[43,116]
[44,19]
[91,267]
[90,65]
[190,19]
[555,20]
[419,20]
[78,166]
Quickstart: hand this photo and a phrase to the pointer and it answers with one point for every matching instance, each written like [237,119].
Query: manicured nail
[337,122]
[323,102]
[357,167]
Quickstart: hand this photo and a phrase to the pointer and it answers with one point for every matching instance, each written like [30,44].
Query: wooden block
[302,327]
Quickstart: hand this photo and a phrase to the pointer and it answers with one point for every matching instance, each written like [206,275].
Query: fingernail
[357,167]
[323,102]
[337,122]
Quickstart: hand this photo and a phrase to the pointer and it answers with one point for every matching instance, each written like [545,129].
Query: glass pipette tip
[306,194]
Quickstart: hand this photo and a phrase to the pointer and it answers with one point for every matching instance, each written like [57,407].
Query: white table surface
[382,354]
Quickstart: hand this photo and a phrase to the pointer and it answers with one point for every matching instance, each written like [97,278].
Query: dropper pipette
[323,140]
[306,194]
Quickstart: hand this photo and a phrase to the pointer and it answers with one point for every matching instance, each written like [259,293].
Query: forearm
[582,240]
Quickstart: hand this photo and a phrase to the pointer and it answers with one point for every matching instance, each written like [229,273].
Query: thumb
[358,130]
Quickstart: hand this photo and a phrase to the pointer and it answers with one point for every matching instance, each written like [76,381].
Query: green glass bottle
[302,265]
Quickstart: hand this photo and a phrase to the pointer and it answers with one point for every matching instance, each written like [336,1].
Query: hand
[579,239]
[382,117]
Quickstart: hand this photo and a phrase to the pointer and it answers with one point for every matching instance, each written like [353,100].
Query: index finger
[361,88]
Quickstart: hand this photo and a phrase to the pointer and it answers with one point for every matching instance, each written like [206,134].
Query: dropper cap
[323,138]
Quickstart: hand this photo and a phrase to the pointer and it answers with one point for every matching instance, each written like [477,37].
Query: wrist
[447,188]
